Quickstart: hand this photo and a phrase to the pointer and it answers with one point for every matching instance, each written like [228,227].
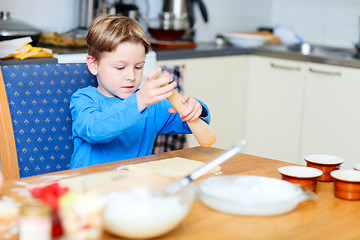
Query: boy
[116,120]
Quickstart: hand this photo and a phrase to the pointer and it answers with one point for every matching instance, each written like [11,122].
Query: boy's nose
[130,75]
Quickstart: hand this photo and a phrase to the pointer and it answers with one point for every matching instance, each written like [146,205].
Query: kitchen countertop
[13,61]
[201,50]
[318,54]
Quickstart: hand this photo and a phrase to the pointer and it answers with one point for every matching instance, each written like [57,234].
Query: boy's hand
[192,111]
[155,90]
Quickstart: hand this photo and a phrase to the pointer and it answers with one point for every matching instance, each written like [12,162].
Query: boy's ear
[92,64]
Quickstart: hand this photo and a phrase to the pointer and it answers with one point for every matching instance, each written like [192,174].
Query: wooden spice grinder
[200,129]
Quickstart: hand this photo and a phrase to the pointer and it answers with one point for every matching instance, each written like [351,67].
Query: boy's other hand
[155,90]
[192,111]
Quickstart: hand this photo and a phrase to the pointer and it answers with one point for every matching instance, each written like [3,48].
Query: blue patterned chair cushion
[39,98]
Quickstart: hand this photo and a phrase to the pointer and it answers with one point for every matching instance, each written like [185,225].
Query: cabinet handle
[285,67]
[324,72]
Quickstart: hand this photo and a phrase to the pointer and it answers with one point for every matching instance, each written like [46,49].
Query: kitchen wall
[328,22]
[47,15]
[230,15]
[61,15]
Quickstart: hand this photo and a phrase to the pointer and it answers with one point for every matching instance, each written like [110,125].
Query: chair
[35,119]
[171,142]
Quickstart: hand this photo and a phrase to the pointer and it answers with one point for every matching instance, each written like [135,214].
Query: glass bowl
[135,209]
[251,195]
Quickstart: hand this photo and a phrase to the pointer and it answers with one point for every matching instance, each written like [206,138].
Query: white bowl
[251,195]
[244,40]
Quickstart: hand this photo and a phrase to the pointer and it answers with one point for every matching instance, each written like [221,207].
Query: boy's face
[119,73]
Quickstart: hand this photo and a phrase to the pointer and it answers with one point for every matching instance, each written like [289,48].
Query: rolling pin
[200,129]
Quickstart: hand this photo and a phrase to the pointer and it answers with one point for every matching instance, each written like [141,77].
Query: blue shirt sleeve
[95,124]
[172,125]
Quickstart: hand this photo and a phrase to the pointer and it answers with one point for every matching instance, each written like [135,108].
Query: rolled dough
[172,167]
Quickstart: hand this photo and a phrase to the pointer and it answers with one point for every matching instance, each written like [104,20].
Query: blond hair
[106,32]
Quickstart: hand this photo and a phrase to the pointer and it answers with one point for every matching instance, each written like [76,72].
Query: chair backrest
[171,142]
[35,127]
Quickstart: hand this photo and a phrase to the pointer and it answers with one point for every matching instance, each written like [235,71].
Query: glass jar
[35,221]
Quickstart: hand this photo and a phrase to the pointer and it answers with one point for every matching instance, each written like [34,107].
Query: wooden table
[325,218]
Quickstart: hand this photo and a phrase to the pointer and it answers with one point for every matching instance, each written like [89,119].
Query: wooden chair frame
[8,155]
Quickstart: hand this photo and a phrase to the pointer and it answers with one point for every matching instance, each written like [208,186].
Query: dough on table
[172,167]
[92,181]
[84,183]
[120,179]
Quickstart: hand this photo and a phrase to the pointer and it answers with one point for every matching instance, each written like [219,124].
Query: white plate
[251,195]
[245,40]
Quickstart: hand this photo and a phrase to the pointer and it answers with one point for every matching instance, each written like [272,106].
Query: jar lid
[35,208]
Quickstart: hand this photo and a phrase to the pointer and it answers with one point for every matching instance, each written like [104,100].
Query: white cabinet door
[331,122]
[218,81]
[274,108]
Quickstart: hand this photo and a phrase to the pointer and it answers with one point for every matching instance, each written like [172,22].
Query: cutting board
[271,39]
[173,44]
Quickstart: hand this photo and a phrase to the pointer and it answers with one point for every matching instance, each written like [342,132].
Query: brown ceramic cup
[325,163]
[346,184]
[305,176]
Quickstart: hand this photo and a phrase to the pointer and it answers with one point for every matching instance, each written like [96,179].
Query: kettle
[179,14]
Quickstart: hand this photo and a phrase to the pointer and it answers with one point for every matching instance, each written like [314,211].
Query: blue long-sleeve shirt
[107,129]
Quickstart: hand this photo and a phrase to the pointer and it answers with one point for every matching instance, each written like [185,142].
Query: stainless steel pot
[176,21]
[12,28]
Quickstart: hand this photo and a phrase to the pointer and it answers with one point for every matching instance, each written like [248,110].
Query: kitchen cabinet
[295,108]
[219,82]
[331,119]
[273,107]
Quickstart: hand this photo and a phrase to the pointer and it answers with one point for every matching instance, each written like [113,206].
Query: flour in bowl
[138,214]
